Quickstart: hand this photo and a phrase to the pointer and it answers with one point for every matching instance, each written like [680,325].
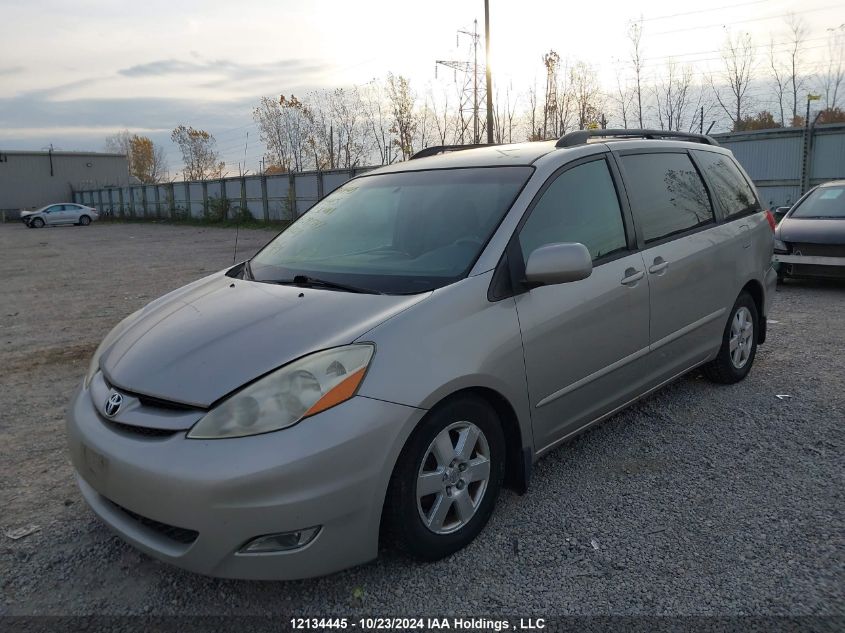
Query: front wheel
[739,344]
[447,479]
[37,223]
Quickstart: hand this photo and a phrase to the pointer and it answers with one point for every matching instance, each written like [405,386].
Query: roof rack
[580,137]
[442,149]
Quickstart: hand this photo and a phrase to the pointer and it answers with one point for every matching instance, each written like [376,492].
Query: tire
[732,365]
[37,223]
[84,220]
[418,524]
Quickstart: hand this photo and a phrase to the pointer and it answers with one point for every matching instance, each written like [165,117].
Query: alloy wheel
[453,477]
[741,341]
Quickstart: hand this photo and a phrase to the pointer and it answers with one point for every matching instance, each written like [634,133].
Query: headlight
[287,395]
[780,247]
[118,329]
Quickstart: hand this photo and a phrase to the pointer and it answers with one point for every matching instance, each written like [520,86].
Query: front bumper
[195,503]
[813,260]
[818,266]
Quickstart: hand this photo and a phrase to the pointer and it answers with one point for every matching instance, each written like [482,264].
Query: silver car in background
[414,342]
[56,214]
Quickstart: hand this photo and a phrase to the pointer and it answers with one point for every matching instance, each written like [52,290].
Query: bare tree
[624,98]
[534,133]
[120,143]
[271,130]
[635,35]
[378,120]
[731,92]
[832,78]
[287,129]
[588,99]
[199,153]
[443,121]
[779,74]
[426,125]
[673,97]
[504,114]
[402,101]
[340,136]
[798,32]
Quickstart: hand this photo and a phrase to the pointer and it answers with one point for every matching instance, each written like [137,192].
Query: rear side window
[579,206]
[666,193]
[729,185]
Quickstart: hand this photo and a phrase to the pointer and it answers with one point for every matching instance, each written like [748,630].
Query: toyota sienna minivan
[414,342]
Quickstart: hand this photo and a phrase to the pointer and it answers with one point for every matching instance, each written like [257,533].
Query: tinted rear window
[729,186]
[666,193]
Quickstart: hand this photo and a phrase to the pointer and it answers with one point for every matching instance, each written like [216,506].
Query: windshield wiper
[305,280]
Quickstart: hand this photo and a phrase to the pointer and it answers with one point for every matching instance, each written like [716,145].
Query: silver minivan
[413,343]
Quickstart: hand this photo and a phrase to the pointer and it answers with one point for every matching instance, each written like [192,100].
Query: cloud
[230,70]
[10,70]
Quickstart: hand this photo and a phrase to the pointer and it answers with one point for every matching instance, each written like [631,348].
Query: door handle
[632,276]
[658,266]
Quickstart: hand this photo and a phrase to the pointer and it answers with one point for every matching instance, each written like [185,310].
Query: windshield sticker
[831,194]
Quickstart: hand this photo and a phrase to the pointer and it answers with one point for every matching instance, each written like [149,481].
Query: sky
[71,73]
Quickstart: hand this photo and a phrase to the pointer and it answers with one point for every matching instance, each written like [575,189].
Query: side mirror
[780,212]
[558,264]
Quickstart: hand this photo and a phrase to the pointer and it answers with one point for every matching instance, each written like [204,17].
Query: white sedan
[64,213]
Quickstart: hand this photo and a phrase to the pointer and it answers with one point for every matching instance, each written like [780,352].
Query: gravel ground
[700,500]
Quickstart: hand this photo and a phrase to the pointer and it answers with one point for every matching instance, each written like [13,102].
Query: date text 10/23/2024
[422,623]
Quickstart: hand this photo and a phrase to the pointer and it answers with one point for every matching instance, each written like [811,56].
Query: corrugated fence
[280,197]
[783,163]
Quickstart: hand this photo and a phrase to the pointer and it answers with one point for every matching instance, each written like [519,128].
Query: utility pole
[807,146]
[701,122]
[488,73]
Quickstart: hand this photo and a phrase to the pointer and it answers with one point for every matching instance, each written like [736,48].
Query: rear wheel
[37,223]
[447,479]
[84,220]
[739,344]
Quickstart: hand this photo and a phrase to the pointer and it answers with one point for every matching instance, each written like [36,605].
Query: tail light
[771,220]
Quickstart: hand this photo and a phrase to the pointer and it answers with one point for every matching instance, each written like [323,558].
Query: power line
[761,19]
[677,15]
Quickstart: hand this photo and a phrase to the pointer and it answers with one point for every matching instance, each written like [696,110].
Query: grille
[811,270]
[180,535]
[144,431]
[151,401]
[819,250]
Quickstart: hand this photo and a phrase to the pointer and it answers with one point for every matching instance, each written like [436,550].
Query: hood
[811,231]
[25,213]
[201,342]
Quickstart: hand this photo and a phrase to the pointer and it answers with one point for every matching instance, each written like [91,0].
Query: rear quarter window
[666,193]
[729,186]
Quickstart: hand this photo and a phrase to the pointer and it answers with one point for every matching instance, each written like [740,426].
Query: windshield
[824,202]
[396,233]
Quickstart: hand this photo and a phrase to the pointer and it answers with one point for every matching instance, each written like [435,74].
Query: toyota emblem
[113,404]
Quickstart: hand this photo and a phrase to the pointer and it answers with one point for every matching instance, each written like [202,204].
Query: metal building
[784,163]
[33,179]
